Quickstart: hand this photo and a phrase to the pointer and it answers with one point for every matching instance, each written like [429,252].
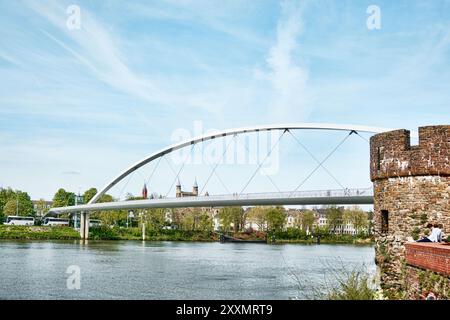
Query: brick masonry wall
[430,256]
[411,183]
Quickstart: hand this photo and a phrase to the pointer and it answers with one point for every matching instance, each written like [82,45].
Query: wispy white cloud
[97,49]
[287,74]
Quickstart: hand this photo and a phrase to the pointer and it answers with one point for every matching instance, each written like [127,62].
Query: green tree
[89,194]
[5,195]
[63,198]
[357,217]
[205,222]
[258,215]
[112,217]
[334,218]
[276,217]
[41,207]
[232,217]
[9,200]
[106,198]
[307,220]
[155,218]
[18,203]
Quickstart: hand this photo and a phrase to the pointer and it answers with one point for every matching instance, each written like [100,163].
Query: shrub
[103,233]
[353,286]
[415,233]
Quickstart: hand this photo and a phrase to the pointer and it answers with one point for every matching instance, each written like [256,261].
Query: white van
[19,221]
[50,221]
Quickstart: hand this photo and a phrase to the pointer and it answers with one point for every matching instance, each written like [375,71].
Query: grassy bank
[37,233]
[106,233]
[336,240]
[298,236]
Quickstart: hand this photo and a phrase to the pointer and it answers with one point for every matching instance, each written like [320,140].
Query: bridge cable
[154,170]
[256,160]
[259,166]
[181,168]
[322,162]
[221,182]
[317,160]
[217,164]
[169,164]
[126,184]
[362,137]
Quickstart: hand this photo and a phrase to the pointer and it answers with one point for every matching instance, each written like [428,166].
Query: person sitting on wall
[443,235]
[435,236]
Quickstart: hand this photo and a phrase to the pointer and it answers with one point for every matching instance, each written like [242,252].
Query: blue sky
[78,106]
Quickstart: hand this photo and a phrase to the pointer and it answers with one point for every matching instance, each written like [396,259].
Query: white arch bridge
[342,196]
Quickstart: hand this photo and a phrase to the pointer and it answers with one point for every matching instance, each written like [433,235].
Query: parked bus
[50,221]
[19,221]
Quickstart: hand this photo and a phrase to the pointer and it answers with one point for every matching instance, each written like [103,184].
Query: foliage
[257,215]
[89,194]
[353,286]
[63,198]
[334,218]
[117,233]
[232,217]
[276,218]
[154,218]
[38,233]
[291,234]
[103,233]
[41,207]
[5,195]
[307,220]
[112,217]
[415,233]
[191,219]
[357,217]
[15,202]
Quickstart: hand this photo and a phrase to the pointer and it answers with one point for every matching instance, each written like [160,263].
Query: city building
[180,193]
[41,207]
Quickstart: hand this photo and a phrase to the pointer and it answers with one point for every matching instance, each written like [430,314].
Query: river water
[172,270]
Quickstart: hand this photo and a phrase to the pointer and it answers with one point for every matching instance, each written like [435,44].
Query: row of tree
[15,202]
[233,219]
[274,219]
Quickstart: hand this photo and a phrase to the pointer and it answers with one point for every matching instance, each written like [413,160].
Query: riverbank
[106,233]
[38,233]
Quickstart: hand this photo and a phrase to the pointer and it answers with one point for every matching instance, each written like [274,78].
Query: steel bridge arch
[229,132]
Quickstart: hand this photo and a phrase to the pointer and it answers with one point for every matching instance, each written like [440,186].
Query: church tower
[178,189]
[144,191]
[195,188]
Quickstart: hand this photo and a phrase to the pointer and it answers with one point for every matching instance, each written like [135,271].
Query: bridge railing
[293,194]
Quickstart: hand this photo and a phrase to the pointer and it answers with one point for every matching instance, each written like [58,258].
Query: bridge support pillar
[84,225]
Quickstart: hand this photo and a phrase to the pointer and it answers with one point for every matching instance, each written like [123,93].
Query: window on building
[384,221]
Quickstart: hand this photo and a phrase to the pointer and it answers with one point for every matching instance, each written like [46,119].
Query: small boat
[225,238]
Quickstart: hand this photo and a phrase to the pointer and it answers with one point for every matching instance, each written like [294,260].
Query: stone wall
[411,189]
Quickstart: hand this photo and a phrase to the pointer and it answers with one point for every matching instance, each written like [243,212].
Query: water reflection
[170,270]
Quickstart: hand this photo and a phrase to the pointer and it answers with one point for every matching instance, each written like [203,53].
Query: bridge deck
[322,197]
